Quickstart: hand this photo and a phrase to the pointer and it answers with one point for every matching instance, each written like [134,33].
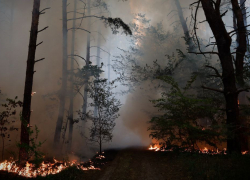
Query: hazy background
[15,21]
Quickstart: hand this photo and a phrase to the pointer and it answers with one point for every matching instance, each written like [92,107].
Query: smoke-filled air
[124,89]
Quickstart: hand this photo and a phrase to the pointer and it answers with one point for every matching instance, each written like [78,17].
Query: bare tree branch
[101,49]
[39,43]
[212,89]
[79,29]
[43,29]
[39,60]
[216,71]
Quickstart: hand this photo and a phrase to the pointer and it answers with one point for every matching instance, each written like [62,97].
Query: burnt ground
[141,164]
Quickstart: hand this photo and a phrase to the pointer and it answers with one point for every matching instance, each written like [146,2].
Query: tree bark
[71,105]
[63,90]
[25,118]
[224,41]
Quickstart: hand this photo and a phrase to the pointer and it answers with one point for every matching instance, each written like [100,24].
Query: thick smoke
[131,127]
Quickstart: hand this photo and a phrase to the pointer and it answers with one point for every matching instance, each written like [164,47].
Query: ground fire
[205,150]
[46,168]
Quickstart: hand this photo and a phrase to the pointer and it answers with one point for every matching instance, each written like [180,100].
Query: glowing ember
[100,157]
[46,168]
[33,93]
[245,152]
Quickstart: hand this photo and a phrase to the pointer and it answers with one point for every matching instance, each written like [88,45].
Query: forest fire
[45,169]
[204,150]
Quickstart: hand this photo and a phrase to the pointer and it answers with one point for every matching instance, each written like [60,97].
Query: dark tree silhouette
[223,41]
[26,111]
[63,90]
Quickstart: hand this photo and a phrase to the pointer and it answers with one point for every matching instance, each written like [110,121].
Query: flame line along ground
[45,169]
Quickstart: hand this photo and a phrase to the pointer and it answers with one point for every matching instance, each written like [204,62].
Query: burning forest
[128,90]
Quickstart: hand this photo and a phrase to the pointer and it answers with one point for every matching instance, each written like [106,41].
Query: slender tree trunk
[63,90]
[98,56]
[11,32]
[98,53]
[239,13]
[242,43]
[224,41]
[244,13]
[183,21]
[100,129]
[109,65]
[25,119]
[183,24]
[100,153]
[71,118]
[85,98]
[2,148]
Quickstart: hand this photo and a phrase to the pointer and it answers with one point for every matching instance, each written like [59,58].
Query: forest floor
[141,164]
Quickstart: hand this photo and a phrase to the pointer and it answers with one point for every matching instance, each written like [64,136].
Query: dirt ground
[142,164]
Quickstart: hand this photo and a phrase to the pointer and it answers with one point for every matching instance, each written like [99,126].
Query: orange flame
[154,147]
[205,150]
[45,169]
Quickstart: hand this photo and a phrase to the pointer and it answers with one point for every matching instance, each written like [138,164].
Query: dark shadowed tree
[223,41]
[241,45]
[63,89]
[25,117]
[107,108]
[184,25]
[71,93]
[179,122]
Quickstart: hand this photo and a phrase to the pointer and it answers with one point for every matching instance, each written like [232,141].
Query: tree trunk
[98,56]
[242,41]
[109,65]
[63,90]
[224,41]
[2,147]
[11,38]
[71,118]
[244,13]
[239,27]
[183,24]
[100,153]
[85,95]
[25,118]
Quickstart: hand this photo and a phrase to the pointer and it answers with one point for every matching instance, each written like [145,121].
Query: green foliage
[104,112]
[8,110]
[33,147]
[181,116]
